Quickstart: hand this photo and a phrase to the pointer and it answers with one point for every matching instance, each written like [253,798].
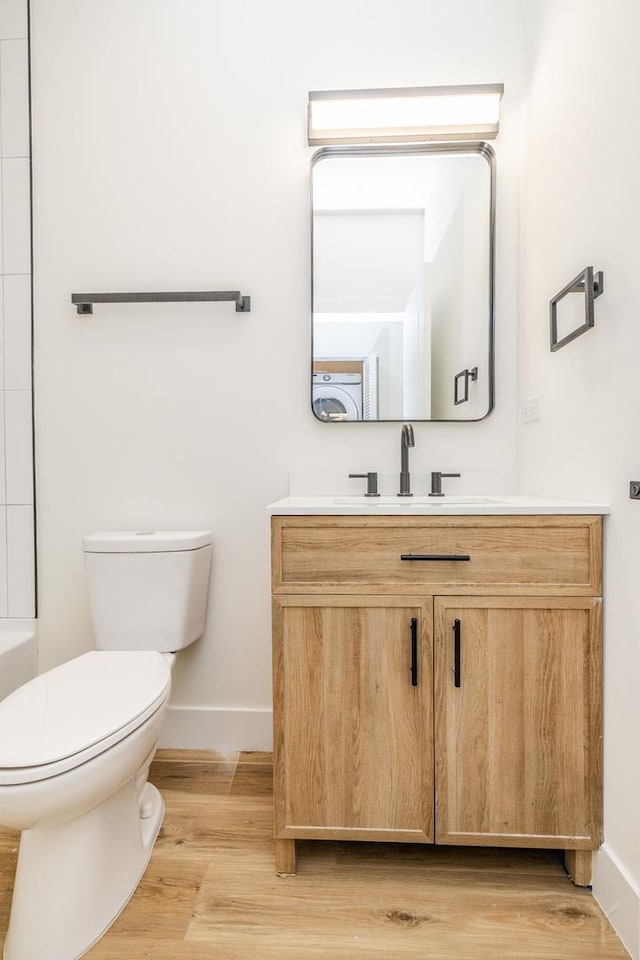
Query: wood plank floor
[210,892]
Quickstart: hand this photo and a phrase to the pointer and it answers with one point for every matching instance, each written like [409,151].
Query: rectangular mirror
[402,270]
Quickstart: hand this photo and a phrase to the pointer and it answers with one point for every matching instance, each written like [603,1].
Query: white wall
[581,206]
[169,153]
[366,261]
[17,589]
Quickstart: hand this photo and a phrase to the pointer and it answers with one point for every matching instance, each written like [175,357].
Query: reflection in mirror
[402,282]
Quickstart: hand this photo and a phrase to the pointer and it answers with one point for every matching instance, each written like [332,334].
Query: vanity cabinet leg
[285,858]
[577,863]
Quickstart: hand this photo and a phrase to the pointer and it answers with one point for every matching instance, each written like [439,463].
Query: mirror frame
[423,149]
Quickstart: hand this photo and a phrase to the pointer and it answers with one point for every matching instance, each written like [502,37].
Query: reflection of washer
[337,396]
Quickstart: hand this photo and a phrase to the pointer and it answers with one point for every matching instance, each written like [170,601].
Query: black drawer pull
[456,653]
[434,556]
[414,651]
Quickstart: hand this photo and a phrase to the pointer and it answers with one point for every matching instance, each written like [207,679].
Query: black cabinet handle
[414,652]
[456,653]
[434,556]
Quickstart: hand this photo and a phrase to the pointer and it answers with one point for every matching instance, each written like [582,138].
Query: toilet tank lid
[145,541]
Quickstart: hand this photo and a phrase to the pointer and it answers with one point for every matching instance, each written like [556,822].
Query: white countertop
[432,506]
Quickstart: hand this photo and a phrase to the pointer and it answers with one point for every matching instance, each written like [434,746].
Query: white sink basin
[431,506]
[405,503]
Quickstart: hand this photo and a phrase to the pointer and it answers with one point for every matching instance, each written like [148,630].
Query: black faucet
[406,440]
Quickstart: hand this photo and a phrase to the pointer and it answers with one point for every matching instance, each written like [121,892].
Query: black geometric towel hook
[591,285]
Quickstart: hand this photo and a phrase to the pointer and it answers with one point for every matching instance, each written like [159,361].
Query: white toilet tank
[147,589]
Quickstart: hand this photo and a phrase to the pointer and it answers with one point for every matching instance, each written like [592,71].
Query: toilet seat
[70,714]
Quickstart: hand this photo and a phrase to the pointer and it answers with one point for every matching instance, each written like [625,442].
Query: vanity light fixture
[402,115]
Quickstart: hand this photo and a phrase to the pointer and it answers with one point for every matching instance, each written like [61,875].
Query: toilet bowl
[76,744]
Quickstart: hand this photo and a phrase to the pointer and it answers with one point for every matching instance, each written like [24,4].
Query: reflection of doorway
[360,375]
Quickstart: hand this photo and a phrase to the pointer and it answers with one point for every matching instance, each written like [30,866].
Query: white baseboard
[619,896]
[216,728]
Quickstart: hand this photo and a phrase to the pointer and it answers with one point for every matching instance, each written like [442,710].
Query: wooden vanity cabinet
[423,697]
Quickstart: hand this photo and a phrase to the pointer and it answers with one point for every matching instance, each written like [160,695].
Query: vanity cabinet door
[353,718]
[518,740]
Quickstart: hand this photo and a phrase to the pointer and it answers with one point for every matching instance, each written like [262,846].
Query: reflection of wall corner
[461,385]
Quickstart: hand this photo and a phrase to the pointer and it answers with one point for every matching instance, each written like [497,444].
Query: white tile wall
[1,332]
[13,19]
[20,562]
[14,109]
[15,310]
[4,606]
[16,214]
[17,552]
[18,447]
[3,484]
[1,195]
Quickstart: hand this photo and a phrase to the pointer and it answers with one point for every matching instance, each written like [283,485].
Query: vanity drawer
[531,555]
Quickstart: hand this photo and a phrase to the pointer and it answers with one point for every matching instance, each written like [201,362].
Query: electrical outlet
[531,409]
[634,489]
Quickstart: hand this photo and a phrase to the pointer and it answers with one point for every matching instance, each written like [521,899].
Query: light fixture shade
[463,112]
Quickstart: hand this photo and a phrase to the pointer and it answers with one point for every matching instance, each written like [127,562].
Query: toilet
[76,743]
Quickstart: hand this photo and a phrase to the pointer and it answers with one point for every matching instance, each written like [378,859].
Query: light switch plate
[531,409]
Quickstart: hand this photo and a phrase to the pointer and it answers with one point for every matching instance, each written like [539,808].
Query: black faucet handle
[372,482]
[436,482]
